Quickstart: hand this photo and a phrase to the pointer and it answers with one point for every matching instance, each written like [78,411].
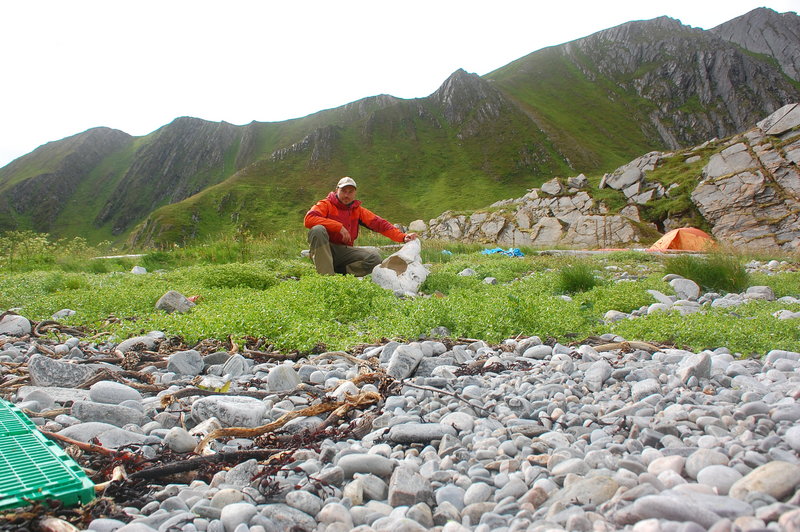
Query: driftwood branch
[339,354]
[628,346]
[90,447]
[182,466]
[49,414]
[168,399]
[274,355]
[339,408]
[120,376]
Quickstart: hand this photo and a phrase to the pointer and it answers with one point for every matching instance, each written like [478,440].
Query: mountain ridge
[589,105]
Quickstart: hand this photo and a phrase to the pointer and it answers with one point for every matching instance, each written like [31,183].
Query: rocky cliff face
[319,144]
[699,86]
[750,191]
[766,32]
[182,159]
[467,101]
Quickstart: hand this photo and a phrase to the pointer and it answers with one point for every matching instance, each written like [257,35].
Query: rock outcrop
[539,219]
[467,101]
[706,89]
[748,193]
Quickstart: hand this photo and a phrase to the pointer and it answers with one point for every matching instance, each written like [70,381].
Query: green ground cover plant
[749,330]
[284,301]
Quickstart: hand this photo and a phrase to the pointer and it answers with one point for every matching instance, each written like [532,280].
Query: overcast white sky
[68,66]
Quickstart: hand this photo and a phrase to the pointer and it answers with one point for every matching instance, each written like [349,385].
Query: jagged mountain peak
[464,94]
[768,32]
[640,31]
[367,105]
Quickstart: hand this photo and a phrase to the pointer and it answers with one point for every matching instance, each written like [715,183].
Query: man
[333,228]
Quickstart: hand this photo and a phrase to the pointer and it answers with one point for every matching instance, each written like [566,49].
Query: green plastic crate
[34,468]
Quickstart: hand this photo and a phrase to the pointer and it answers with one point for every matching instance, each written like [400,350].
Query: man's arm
[318,215]
[372,221]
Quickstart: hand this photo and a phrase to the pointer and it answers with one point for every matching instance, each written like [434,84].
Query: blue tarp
[511,252]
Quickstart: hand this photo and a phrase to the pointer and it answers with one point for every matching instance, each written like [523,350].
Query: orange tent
[684,239]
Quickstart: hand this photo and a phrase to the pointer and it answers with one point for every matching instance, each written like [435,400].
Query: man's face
[346,194]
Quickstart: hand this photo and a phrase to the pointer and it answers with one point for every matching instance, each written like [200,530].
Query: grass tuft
[717,272]
[575,278]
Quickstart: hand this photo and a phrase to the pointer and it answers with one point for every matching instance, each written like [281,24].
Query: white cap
[345,181]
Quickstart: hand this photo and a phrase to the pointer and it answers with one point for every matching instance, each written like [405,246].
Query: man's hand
[409,237]
[346,238]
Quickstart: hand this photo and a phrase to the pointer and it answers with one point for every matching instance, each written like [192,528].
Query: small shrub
[71,263]
[156,260]
[718,272]
[578,277]
[236,275]
[446,282]
[630,256]
[57,281]
[98,266]
[624,296]
[53,282]
[75,282]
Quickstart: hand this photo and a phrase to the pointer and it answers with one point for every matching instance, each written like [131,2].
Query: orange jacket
[333,214]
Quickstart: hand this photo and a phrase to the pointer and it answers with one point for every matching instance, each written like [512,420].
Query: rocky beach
[437,434]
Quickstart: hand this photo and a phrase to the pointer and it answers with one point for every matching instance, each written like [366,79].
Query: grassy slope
[407,166]
[93,192]
[596,125]
[43,160]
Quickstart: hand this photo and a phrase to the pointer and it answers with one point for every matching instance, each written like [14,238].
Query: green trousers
[330,258]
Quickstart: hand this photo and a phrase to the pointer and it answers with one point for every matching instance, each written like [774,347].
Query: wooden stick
[47,413]
[46,350]
[276,355]
[182,466]
[644,346]
[90,447]
[341,407]
[168,399]
[339,354]
[13,382]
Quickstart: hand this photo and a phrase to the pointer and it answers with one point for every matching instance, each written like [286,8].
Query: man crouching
[333,228]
